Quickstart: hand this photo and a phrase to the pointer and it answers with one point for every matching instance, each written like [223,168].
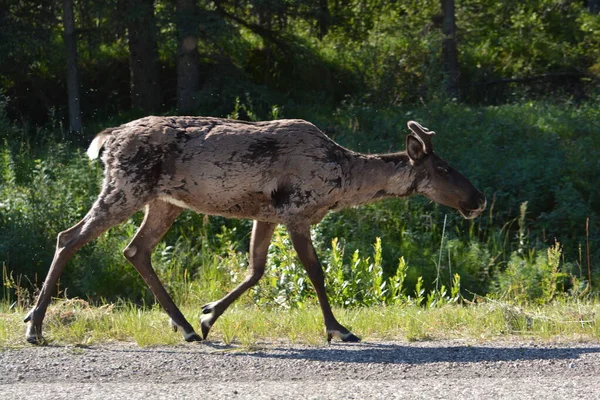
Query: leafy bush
[537,277]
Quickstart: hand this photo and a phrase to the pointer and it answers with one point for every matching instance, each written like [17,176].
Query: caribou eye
[443,169]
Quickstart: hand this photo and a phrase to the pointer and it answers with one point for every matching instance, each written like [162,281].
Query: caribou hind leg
[302,242]
[112,207]
[157,221]
[259,246]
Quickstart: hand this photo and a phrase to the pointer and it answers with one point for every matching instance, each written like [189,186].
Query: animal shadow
[429,353]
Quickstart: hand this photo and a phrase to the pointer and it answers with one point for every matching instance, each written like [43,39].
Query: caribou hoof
[350,338]
[207,319]
[33,335]
[192,337]
[205,328]
[347,337]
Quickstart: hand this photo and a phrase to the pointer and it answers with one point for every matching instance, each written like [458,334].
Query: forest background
[511,87]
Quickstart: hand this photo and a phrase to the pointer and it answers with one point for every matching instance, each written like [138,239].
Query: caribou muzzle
[474,210]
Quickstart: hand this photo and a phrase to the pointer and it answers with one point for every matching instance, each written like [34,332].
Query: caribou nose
[477,206]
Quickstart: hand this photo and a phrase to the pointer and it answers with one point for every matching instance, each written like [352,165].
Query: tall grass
[75,322]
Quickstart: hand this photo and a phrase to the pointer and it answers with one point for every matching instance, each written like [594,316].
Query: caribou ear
[423,134]
[415,148]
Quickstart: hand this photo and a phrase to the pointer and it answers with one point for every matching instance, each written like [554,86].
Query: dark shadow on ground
[385,353]
[418,354]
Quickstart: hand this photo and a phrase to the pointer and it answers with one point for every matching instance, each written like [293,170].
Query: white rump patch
[94,150]
[173,201]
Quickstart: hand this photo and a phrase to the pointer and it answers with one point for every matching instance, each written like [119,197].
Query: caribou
[277,172]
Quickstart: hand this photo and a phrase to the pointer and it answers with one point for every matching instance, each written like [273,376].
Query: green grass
[75,322]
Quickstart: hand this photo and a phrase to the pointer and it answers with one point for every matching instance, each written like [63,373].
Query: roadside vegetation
[521,122]
[77,323]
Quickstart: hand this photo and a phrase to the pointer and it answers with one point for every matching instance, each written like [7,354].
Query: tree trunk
[143,56]
[449,50]
[188,67]
[72,71]
[323,18]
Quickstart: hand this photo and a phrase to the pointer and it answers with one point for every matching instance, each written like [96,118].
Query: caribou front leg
[259,248]
[300,236]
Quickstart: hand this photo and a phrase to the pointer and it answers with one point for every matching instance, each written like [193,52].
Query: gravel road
[376,370]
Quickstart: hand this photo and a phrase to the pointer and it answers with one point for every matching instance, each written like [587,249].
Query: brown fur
[279,171]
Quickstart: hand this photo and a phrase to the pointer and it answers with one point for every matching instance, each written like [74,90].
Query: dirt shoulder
[438,369]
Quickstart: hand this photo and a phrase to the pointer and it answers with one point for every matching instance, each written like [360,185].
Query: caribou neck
[377,176]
